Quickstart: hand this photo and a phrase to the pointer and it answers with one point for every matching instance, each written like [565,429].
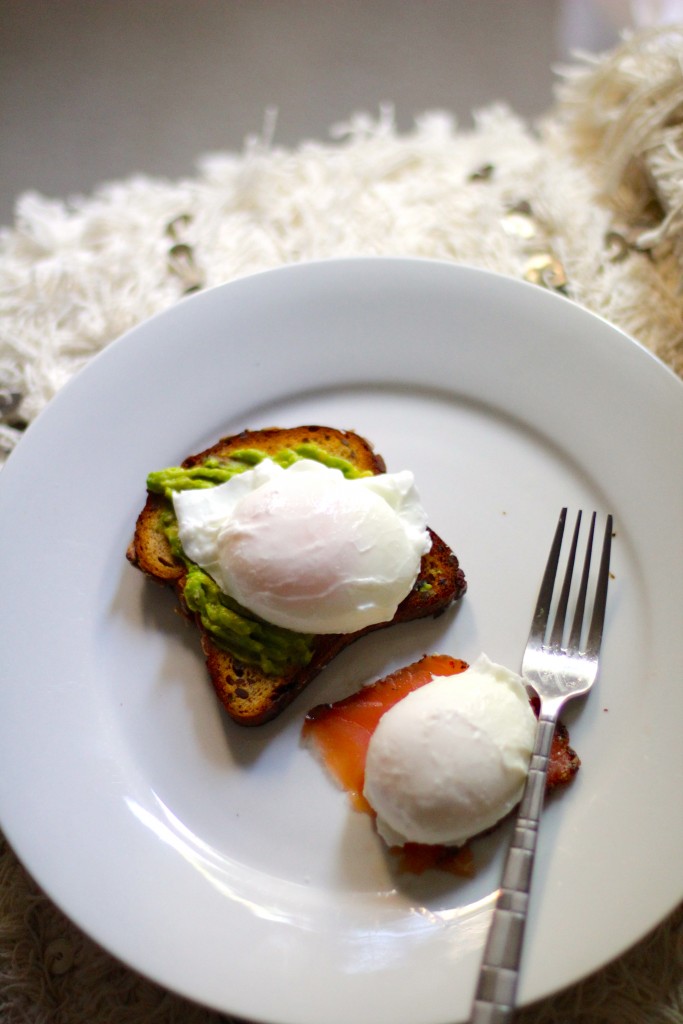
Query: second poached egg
[449,760]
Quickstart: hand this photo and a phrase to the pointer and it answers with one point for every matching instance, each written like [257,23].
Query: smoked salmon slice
[341,733]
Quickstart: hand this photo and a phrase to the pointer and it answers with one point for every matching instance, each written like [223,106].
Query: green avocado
[216,471]
[233,628]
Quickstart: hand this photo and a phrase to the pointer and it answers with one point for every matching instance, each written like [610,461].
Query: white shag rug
[590,201]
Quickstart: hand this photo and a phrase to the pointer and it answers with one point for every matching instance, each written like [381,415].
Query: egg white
[306,548]
[450,759]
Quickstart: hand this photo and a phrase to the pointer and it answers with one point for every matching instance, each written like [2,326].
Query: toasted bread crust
[249,696]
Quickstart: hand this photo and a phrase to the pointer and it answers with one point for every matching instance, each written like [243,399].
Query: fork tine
[555,641]
[574,642]
[539,621]
[595,631]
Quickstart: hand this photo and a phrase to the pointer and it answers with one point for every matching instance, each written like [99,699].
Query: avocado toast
[256,668]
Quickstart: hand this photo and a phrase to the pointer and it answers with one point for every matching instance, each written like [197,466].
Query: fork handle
[494,1002]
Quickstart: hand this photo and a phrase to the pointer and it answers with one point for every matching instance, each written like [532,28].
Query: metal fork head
[561,658]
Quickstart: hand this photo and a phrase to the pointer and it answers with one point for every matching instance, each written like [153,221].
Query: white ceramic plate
[222,862]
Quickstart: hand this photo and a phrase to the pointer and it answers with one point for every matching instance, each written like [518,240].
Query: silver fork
[557,671]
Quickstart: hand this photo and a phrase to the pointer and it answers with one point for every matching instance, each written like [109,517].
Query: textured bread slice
[250,695]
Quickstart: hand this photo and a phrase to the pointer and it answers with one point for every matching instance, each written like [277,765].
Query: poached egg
[304,547]
[450,759]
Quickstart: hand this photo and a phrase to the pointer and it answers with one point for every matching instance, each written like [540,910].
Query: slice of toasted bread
[250,695]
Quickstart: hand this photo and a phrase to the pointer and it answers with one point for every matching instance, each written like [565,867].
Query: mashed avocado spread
[273,649]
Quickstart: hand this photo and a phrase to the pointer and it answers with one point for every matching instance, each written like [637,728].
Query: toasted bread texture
[250,695]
